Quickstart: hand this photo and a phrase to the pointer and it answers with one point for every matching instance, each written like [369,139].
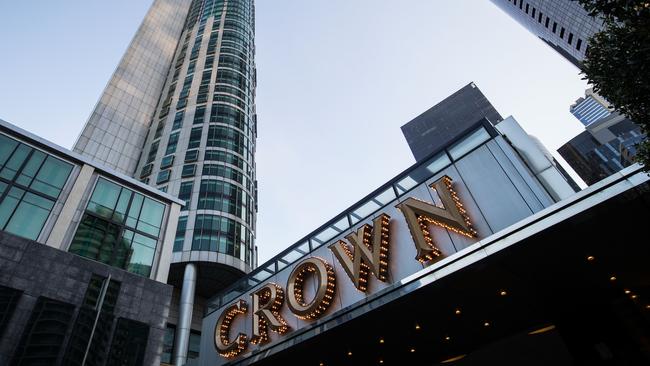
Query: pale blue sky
[336,80]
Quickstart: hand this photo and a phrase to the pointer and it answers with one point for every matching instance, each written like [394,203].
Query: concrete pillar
[182,339]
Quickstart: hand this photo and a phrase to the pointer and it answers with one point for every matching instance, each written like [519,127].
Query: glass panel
[422,173]
[3,186]
[134,211]
[122,205]
[52,177]
[104,198]
[15,162]
[9,204]
[151,217]
[142,253]
[30,216]
[180,233]
[166,162]
[168,345]
[7,146]
[129,343]
[475,139]
[31,168]
[194,346]
[44,334]
[438,163]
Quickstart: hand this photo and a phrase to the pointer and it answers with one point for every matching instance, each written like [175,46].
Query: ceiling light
[591,258]
[417,326]
[453,359]
[457,311]
[349,353]
[381,340]
[627,292]
[613,278]
[486,324]
[503,293]
[412,350]
[542,330]
[447,338]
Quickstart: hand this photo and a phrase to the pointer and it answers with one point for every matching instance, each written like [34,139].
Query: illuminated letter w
[370,252]
[420,214]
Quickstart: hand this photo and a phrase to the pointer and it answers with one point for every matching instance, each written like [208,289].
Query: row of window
[30,184]
[119,228]
[539,16]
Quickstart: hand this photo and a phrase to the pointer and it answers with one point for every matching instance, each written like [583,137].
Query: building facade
[82,245]
[447,120]
[590,108]
[562,24]
[179,115]
[605,147]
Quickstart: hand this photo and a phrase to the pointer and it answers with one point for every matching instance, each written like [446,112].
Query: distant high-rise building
[179,114]
[563,24]
[447,120]
[591,108]
[604,148]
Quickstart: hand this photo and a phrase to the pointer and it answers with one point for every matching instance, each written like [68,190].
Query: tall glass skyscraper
[179,114]
[563,24]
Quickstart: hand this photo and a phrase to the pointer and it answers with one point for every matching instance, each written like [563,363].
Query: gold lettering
[267,302]
[370,245]
[326,285]
[222,342]
[420,214]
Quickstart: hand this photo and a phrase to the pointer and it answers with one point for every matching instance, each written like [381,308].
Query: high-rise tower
[179,114]
[563,24]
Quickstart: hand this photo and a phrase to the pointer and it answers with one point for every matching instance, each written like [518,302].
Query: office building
[590,108]
[179,114]
[605,147]
[84,258]
[562,24]
[447,120]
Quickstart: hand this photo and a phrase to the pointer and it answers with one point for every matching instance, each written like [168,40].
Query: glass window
[146,170]
[422,173]
[168,344]
[195,346]
[373,205]
[7,146]
[199,115]
[151,217]
[195,138]
[166,161]
[178,120]
[180,233]
[8,300]
[172,143]
[220,234]
[129,343]
[163,176]
[188,170]
[104,198]
[469,143]
[44,334]
[191,156]
[120,228]
[30,216]
[185,193]
[30,183]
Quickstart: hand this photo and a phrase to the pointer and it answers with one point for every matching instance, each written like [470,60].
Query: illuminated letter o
[325,290]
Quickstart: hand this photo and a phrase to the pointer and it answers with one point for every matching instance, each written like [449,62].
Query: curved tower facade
[201,148]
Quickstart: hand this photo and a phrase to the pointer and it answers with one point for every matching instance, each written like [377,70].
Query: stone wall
[38,270]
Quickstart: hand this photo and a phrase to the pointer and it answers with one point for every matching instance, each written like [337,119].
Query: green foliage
[618,61]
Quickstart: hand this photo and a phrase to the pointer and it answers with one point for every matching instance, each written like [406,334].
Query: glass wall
[120,228]
[30,184]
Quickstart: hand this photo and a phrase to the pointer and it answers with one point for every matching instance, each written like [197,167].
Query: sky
[336,81]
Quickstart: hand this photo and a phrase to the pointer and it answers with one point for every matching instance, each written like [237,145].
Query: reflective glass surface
[30,184]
